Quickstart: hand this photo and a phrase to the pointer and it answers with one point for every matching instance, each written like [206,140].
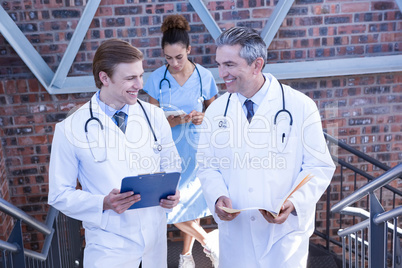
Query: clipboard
[151,187]
[175,113]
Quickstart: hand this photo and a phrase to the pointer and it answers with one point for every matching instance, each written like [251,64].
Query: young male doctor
[105,140]
[251,156]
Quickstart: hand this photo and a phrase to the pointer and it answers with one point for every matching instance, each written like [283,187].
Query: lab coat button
[252,218]
[250,190]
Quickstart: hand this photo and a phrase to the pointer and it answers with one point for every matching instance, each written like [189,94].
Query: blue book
[151,187]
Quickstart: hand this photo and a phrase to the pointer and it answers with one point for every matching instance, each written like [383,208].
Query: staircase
[63,246]
[319,257]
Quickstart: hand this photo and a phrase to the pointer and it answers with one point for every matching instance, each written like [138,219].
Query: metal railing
[324,230]
[62,246]
[369,240]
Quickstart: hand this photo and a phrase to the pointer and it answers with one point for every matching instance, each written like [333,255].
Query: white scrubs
[249,163]
[112,240]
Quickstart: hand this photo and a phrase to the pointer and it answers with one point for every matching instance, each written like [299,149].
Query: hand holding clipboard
[158,189]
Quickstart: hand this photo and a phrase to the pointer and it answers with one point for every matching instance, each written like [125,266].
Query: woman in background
[184,86]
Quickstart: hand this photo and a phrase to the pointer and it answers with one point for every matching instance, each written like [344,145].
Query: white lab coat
[138,232]
[248,163]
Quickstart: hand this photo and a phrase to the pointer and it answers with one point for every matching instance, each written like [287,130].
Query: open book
[273,213]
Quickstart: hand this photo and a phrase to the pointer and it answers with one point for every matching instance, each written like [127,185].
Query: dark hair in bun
[174,29]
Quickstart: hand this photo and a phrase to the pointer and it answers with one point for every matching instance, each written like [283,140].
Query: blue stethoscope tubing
[284,110]
[157,147]
[164,79]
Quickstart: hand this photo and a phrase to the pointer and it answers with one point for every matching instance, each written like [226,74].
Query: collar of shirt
[257,98]
[109,111]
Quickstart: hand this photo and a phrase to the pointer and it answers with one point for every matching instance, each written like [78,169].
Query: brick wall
[312,30]
[362,110]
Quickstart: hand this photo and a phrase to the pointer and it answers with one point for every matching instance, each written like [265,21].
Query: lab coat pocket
[285,144]
[222,138]
[222,141]
[286,153]
[223,228]
[113,222]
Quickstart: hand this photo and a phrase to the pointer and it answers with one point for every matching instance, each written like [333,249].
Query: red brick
[355,7]
[41,159]
[261,13]
[391,37]
[51,49]
[33,85]
[382,5]
[364,39]
[11,86]
[236,15]
[281,44]
[44,129]
[223,5]
[111,2]
[352,29]
[32,140]
[41,108]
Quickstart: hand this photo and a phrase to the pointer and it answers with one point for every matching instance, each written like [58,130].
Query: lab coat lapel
[236,111]
[270,104]
[100,114]
[136,121]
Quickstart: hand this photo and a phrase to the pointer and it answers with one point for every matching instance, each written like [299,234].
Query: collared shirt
[110,111]
[257,98]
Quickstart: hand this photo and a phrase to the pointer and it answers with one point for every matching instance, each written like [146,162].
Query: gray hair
[253,46]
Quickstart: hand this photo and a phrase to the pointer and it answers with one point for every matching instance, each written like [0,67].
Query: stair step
[321,261]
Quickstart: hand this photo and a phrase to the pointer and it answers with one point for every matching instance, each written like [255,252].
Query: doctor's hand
[196,117]
[287,208]
[171,201]
[120,202]
[178,120]
[224,201]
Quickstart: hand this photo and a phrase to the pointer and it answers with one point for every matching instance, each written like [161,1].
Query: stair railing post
[377,234]
[396,252]
[18,259]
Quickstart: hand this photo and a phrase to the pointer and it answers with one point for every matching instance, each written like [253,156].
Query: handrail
[51,217]
[380,218]
[8,246]
[44,228]
[353,211]
[356,152]
[355,228]
[17,213]
[368,188]
[35,255]
[383,217]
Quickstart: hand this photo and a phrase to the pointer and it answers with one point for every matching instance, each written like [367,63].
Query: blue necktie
[250,110]
[120,119]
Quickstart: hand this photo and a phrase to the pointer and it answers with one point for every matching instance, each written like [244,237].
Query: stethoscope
[157,147]
[164,79]
[223,123]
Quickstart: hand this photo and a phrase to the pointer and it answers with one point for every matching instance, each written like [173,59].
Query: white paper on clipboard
[175,113]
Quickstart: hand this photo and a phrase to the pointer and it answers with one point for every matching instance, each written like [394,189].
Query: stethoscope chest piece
[223,123]
[157,147]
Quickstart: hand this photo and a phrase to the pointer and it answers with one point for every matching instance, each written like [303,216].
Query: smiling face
[122,88]
[239,77]
[176,56]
